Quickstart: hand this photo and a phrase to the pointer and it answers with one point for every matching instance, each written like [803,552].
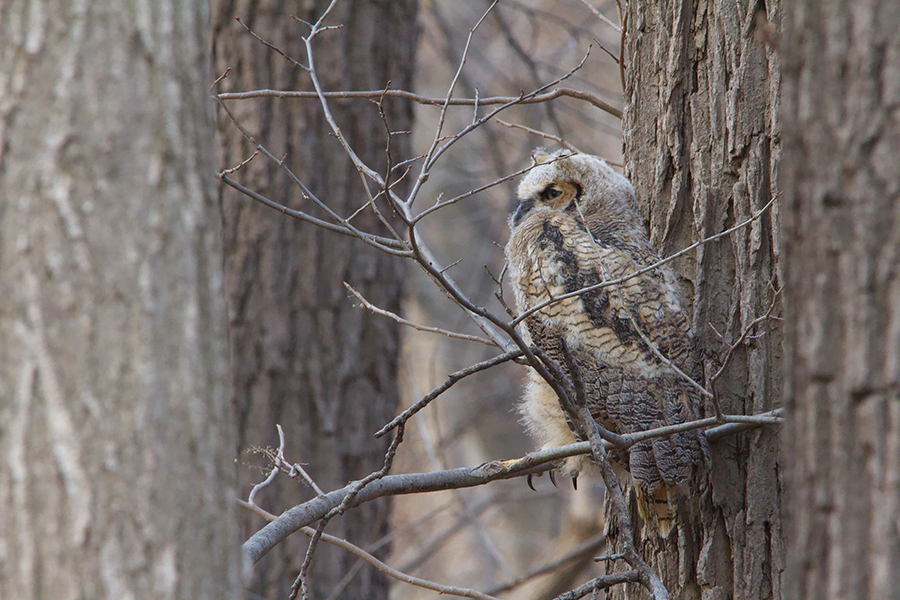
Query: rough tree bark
[702,147]
[116,429]
[303,355]
[842,246]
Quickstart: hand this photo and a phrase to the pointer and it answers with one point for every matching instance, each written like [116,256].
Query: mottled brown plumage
[577,224]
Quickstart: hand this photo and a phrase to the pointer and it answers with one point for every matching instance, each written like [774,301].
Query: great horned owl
[577,224]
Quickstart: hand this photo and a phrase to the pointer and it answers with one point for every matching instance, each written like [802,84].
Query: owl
[577,224]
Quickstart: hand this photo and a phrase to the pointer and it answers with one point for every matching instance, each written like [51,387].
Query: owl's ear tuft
[540,155]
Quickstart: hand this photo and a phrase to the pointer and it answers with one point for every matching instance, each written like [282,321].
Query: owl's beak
[522,211]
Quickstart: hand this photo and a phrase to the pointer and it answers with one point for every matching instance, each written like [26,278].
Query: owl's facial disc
[561,194]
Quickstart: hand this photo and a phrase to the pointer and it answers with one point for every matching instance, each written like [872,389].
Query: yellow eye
[551,193]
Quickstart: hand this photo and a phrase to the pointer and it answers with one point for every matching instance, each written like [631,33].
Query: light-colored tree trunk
[702,147]
[304,354]
[841,182]
[116,430]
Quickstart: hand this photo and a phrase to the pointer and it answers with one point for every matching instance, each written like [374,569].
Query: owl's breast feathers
[557,255]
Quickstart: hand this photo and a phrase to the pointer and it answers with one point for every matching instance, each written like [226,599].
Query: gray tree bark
[303,354]
[116,430]
[702,147]
[841,185]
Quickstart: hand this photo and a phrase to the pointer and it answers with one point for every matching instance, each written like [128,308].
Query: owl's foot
[553,478]
[575,480]
[530,484]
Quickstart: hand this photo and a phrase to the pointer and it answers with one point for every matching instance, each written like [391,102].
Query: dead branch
[584,421]
[345,503]
[600,16]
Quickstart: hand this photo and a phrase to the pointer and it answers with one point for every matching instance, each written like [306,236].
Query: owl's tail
[657,508]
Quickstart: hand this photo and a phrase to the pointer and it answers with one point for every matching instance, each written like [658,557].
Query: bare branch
[439,205]
[656,351]
[414,483]
[271,47]
[648,577]
[307,193]
[346,502]
[233,169]
[437,102]
[475,124]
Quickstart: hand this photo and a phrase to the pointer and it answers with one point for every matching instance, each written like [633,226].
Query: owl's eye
[551,193]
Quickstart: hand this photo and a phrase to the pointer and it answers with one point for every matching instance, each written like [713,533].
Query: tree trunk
[303,354]
[117,476]
[842,247]
[702,147]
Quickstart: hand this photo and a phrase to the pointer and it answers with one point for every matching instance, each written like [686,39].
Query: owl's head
[564,180]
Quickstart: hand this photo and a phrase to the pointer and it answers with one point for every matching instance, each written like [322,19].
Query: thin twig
[347,501]
[743,337]
[233,169]
[588,547]
[451,379]
[416,326]
[307,193]
[656,265]
[271,47]
[369,558]
[384,244]
[601,583]
[546,136]
[656,351]
[441,204]
[623,32]
[601,16]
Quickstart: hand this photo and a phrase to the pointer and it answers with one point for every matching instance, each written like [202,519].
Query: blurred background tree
[302,355]
[117,433]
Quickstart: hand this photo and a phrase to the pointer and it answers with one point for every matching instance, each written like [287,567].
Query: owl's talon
[575,481]
[553,478]
[528,479]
